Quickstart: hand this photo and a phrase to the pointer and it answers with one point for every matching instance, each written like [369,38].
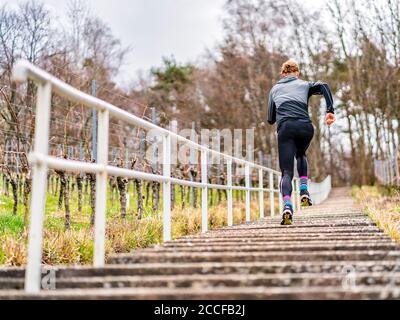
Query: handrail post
[229,184]
[272,193]
[261,192]
[101,189]
[167,188]
[204,192]
[39,184]
[247,180]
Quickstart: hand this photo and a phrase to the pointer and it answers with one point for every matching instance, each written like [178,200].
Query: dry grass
[75,247]
[13,250]
[383,206]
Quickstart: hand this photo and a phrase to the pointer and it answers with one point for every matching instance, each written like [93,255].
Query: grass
[11,224]
[382,204]
[75,246]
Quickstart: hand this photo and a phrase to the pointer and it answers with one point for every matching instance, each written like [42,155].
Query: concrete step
[310,216]
[261,242]
[313,215]
[306,222]
[307,219]
[218,293]
[296,229]
[254,247]
[153,257]
[303,225]
[197,281]
[281,236]
[267,267]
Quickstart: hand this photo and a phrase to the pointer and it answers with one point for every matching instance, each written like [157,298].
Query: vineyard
[133,215]
[141,216]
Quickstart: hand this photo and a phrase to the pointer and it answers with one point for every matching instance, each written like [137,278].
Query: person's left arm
[322,88]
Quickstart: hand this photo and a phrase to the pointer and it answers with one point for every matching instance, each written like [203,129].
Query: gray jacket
[288,99]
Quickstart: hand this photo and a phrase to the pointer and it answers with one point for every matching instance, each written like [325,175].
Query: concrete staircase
[333,251]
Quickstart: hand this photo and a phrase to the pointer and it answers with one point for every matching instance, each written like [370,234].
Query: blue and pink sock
[303,183]
[287,201]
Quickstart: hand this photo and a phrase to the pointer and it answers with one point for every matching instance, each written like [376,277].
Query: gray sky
[156,28]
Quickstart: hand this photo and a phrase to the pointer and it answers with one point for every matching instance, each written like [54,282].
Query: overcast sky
[156,28]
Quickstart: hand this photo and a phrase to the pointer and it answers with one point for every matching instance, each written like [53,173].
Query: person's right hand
[330,118]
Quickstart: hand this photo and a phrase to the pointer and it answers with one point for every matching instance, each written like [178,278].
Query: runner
[288,106]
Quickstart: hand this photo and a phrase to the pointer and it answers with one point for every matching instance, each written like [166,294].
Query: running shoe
[305,199]
[287,216]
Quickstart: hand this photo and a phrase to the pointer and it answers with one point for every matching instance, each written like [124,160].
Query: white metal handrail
[319,192]
[41,162]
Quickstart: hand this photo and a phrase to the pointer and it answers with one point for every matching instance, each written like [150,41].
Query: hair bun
[290,66]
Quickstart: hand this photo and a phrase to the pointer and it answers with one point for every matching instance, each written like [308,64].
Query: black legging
[294,138]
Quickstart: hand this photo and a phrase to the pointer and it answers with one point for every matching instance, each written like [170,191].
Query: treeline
[83,52]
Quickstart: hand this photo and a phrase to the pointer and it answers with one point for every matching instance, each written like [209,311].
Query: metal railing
[41,162]
[319,192]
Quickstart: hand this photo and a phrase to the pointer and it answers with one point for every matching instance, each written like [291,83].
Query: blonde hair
[290,66]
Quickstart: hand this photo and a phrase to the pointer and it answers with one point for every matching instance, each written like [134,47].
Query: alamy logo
[392,289]
[237,143]
[349,282]
[48,280]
